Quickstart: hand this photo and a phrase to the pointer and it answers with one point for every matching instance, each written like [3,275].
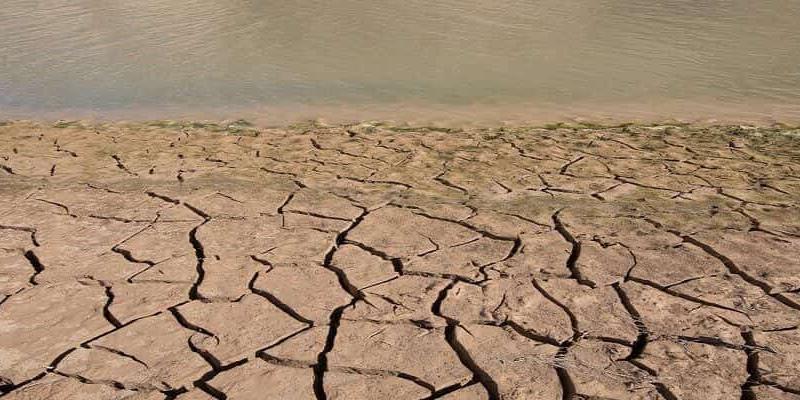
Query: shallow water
[164,58]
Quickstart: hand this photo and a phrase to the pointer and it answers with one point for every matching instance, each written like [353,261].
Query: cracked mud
[369,261]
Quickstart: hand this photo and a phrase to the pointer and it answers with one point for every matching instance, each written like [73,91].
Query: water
[499,58]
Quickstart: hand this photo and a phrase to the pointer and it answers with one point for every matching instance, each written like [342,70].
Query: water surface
[169,57]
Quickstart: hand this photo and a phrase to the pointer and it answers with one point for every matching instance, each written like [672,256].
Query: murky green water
[168,57]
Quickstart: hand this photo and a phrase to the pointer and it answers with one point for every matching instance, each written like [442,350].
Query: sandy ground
[201,261]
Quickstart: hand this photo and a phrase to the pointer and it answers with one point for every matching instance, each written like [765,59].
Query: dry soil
[209,261]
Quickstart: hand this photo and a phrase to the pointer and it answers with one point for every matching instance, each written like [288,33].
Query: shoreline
[241,124]
[698,112]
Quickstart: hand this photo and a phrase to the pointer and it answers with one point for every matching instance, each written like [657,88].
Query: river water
[535,59]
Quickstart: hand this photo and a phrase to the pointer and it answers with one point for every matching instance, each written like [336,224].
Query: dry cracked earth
[206,261]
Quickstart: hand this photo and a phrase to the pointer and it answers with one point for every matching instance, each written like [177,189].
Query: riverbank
[198,260]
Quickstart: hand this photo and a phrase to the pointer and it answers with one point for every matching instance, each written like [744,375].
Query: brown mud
[211,261]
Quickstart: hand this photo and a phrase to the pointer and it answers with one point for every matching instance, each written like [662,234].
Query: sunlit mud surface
[210,261]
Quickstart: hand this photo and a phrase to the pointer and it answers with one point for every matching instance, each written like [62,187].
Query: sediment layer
[370,261]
